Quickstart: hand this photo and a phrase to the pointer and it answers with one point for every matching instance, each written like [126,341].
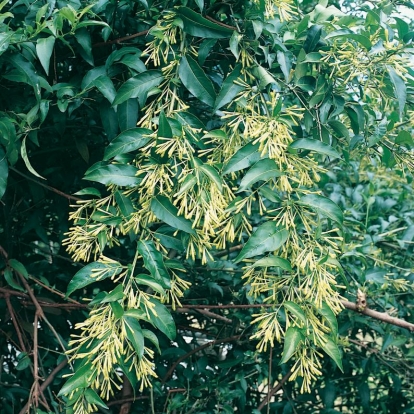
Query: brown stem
[48,187]
[195,350]
[381,316]
[15,324]
[126,393]
[36,390]
[273,391]
[121,39]
[129,399]
[221,23]
[207,313]
[46,383]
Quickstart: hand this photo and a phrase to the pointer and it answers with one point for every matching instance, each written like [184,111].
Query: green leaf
[8,275]
[340,129]
[117,309]
[82,378]
[165,211]
[234,44]
[114,295]
[323,206]
[196,81]
[152,338]
[105,86]
[400,89]
[243,158]
[164,127]
[285,61]
[210,172]
[85,276]
[293,338]
[28,70]
[267,238]
[314,145]
[162,319]
[23,152]
[4,172]
[93,398]
[117,174]
[296,310]
[138,87]
[229,89]
[127,113]
[261,171]
[197,25]
[134,335]
[154,262]
[273,261]
[147,280]
[348,34]
[263,76]
[44,50]
[128,141]
[331,348]
[19,268]
[83,37]
[326,312]
[312,38]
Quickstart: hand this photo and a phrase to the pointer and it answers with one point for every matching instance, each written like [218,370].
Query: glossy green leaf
[273,261]
[312,38]
[243,158]
[165,211]
[400,89]
[263,170]
[147,280]
[138,87]
[134,335]
[331,348]
[8,275]
[105,86]
[267,238]
[127,113]
[83,37]
[114,295]
[314,145]
[117,174]
[117,309]
[211,173]
[128,141]
[348,34]
[154,262]
[285,61]
[323,206]
[44,50]
[295,310]
[93,398]
[19,268]
[326,312]
[161,318]
[4,172]
[23,152]
[152,338]
[229,89]
[82,378]
[85,276]
[196,81]
[164,127]
[293,338]
[199,26]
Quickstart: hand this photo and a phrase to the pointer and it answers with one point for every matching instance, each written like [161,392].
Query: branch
[48,187]
[121,39]
[195,350]
[15,324]
[381,316]
[46,383]
[207,313]
[274,390]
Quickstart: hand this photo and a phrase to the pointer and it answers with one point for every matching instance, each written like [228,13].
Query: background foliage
[188,191]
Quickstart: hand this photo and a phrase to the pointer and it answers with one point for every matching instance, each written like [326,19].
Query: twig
[121,39]
[46,383]
[36,388]
[15,324]
[195,350]
[48,187]
[273,391]
[221,23]
[131,399]
[381,316]
[208,314]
